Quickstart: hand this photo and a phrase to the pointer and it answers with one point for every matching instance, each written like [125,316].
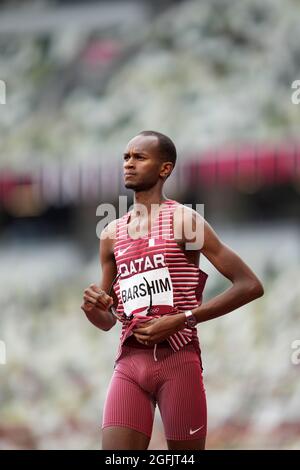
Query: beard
[138,187]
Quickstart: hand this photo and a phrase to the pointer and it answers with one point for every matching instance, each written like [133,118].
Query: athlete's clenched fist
[93,297]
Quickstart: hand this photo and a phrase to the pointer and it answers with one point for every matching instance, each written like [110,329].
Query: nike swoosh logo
[121,252]
[195,430]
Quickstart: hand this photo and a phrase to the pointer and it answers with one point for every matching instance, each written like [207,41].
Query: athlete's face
[142,163]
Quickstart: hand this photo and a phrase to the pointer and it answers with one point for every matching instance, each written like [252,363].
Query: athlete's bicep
[225,260]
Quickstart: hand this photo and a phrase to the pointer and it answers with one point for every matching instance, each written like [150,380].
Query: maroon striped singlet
[156,261]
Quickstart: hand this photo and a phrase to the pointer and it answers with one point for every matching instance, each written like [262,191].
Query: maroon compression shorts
[144,377]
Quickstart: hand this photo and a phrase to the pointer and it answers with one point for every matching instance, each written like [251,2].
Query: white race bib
[134,291]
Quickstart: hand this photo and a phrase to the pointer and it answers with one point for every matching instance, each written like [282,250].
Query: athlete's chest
[138,228]
[145,232]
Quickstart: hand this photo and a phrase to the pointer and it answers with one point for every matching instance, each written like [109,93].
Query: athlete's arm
[96,300]
[245,284]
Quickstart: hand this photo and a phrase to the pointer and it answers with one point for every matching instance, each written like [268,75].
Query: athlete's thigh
[182,402]
[123,438]
[128,414]
[194,444]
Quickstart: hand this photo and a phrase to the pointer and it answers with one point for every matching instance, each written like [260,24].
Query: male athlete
[151,258]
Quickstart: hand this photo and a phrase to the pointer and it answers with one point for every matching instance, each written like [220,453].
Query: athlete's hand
[158,329]
[95,298]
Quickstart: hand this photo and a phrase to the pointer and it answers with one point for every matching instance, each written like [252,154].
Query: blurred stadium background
[82,78]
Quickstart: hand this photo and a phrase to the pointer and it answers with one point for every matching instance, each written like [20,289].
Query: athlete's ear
[166,170]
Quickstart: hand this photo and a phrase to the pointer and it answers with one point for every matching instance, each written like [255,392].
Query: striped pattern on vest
[156,254]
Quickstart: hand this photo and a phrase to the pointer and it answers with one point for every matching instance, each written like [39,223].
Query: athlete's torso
[144,228]
[156,270]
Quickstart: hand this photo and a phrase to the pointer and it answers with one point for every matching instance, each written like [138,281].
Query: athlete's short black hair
[167,148]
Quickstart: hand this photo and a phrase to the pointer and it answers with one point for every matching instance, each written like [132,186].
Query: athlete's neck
[148,199]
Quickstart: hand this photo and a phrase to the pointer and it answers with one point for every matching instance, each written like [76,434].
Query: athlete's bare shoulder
[183,213]
[188,226]
[110,230]
[108,237]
